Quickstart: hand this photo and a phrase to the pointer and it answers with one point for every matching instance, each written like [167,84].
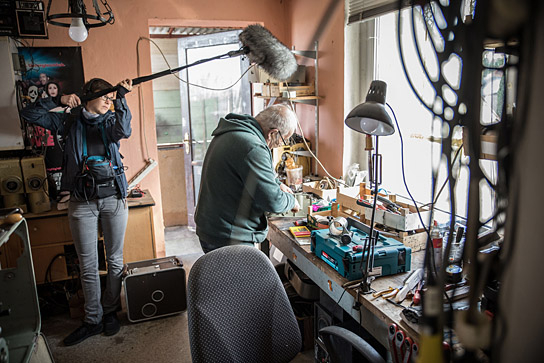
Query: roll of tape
[338,225]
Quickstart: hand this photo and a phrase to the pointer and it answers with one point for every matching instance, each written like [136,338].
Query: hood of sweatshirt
[240,123]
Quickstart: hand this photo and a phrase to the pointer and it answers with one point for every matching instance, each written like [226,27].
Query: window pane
[421,134]
[207,106]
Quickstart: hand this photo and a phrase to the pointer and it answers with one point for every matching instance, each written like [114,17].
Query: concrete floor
[159,340]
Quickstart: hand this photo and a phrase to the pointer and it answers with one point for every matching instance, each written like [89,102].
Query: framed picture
[50,67]
[50,73]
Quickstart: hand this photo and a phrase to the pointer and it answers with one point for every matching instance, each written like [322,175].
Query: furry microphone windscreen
[268,52]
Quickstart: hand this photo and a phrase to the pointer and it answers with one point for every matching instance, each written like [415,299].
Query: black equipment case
[154,288]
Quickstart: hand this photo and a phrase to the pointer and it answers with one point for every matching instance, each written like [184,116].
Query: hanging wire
[339,181]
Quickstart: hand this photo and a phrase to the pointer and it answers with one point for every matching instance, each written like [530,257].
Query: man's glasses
[282,139]
[107,99]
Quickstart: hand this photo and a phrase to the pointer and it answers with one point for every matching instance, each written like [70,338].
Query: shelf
[306,53]
[311,100]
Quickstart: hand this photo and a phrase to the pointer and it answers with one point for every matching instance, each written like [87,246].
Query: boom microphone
[268,52]
[258,44]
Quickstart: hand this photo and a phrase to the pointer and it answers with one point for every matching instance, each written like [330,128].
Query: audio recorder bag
[154,288]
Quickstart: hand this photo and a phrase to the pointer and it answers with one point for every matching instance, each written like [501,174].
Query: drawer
[49,230]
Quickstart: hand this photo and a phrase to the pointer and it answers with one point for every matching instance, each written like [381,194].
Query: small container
[294,178]
[436,238]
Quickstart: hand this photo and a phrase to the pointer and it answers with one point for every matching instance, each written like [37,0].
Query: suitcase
[154,288]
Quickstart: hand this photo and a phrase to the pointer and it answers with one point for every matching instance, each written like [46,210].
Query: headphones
[87,88]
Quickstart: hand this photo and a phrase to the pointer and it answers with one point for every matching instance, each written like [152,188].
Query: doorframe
[194,42]
[200,23]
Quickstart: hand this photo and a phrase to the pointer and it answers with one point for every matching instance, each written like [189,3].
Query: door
[201,107]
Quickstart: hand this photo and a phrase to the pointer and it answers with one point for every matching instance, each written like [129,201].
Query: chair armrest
[370,354]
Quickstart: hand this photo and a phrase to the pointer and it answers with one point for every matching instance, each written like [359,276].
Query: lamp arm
[365,284]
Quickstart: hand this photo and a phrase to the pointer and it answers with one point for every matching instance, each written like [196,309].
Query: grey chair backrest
[238,310]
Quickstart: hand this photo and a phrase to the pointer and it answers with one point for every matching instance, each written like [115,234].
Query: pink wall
[110,53]
[323,21]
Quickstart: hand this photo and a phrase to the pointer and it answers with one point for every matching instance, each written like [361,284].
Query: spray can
[436,238]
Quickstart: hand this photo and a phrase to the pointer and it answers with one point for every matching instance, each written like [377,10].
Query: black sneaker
[83,332]
[111,324]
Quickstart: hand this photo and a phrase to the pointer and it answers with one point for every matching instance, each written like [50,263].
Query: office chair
[331,333]
[238,310]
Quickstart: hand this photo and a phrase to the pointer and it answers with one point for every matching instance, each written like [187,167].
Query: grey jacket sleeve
[122,128]
[38,114]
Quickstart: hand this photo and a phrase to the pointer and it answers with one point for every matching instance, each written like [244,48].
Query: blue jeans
[112,213]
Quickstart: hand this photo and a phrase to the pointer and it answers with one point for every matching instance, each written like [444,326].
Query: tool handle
[417,297]
[10,215]
[407,349]
[415,351]
[392,332]
[399,341]
[364,203]
[11,218]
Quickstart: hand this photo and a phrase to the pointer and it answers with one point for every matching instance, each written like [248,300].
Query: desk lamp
[371,118]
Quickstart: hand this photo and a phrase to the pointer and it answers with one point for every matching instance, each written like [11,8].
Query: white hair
[279,117]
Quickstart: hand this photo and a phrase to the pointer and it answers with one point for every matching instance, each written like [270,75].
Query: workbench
[376,314]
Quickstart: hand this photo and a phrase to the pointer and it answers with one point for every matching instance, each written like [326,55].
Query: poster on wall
[50,72]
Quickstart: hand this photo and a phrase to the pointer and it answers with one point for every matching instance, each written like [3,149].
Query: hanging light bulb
[81,21]
[78,32]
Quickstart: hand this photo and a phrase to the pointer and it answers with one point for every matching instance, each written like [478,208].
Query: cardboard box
[313,187]
[282,90]
[258,75]
[409,221]
[329,194]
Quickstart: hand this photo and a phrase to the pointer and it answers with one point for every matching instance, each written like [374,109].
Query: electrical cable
[141,102]
[445,181]
[192,84]
[339,181]
[404,175]
[140,91]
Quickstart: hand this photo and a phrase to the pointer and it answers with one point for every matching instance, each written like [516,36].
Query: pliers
[388,293]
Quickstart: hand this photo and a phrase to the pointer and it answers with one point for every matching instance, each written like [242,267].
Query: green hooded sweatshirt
[238,185]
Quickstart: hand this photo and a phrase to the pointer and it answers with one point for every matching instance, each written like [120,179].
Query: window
[422,135]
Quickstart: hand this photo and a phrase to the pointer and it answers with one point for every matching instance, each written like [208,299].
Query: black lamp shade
[371,117]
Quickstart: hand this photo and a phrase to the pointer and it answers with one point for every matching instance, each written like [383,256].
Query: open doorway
[186,114]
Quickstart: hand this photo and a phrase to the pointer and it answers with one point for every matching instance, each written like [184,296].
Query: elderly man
[238,184]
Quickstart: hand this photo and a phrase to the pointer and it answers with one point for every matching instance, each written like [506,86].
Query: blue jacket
[238,185]
[116,125]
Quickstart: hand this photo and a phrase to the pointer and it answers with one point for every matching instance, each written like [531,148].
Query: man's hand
[285,188]
[296,208]
[70,100]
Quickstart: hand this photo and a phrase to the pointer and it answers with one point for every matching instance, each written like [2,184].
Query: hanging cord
[192,84]
[141,102]
[140,91]
[445,181]
[429,257]
[339,181]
